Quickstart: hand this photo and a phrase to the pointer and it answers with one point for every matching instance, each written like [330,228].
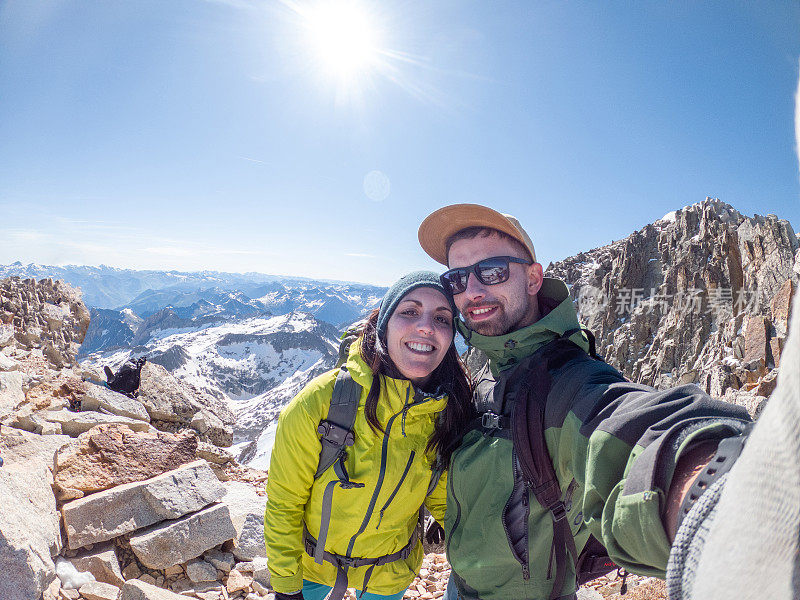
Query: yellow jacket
[394,467]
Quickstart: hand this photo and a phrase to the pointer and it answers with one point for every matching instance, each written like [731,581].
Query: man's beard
[501,322]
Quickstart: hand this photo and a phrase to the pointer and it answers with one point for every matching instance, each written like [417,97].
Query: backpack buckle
[559,511]
[490,420]
[335,434]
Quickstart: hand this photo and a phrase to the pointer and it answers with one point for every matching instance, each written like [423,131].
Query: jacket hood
[505,351]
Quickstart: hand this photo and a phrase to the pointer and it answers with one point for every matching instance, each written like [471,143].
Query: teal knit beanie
[402,287]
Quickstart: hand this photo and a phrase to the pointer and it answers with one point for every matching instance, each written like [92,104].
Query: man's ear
[535,278]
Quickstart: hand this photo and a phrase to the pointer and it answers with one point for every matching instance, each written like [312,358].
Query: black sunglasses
[489,271]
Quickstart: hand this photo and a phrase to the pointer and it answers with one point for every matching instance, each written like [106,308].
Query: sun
[343,37]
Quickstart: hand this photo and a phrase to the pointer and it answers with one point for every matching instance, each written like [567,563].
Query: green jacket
[368,522]
[613,444]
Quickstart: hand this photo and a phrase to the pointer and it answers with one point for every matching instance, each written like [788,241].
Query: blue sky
[216,134]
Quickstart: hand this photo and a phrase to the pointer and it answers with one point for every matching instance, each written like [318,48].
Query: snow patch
[670,217]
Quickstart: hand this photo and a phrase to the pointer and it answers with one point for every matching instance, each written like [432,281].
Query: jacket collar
[505,351]
[397,393]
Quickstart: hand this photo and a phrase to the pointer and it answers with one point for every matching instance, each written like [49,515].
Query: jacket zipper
[458,508]
[526,572]
[397,487]
[568,496]
[382,472]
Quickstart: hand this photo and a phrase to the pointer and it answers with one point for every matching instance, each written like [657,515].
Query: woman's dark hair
[449,377]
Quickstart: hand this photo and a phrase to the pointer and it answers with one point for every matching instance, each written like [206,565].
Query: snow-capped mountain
[147,292]
[110,329]
[258,363]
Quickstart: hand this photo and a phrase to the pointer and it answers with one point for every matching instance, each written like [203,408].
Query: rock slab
[29,522]
[102,562]
[126,508]
[99,398]
[75,423]
[247,512]
[174,542]
[97,590]
[111,455]
[139,590]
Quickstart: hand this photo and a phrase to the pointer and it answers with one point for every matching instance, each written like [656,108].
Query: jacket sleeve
[295,457]
[621,441]
[436,502]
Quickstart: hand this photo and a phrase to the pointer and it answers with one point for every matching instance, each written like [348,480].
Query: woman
[414,404]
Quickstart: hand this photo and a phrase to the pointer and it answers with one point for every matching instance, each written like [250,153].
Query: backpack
[337,435]
[526,426]
[127,378]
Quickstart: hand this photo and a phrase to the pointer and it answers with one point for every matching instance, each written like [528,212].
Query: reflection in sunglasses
[489,271]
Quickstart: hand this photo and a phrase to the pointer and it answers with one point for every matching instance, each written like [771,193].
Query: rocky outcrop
[44,315]
[172,402]
[168,531]
[118,486]
[701,296]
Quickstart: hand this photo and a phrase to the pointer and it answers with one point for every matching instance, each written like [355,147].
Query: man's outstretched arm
[687,470]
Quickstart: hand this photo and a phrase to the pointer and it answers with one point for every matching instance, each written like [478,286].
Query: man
[624,454]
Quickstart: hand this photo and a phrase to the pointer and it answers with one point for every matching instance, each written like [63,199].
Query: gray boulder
[170,400]
[174,542]
[163,395]
[247,513]
[30,534]
[125,508]
[11,394]
[102,562]
[75,423]
[99,398]
[200,571]
[135,589]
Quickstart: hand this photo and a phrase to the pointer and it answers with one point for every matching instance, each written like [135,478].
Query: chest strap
[343,563]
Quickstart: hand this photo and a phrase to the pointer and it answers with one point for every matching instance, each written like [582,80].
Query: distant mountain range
[146,292]
[126,305]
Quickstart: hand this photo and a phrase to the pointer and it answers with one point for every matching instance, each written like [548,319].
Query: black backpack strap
[337,428]
[589,338]
[337,434]
[537,467]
